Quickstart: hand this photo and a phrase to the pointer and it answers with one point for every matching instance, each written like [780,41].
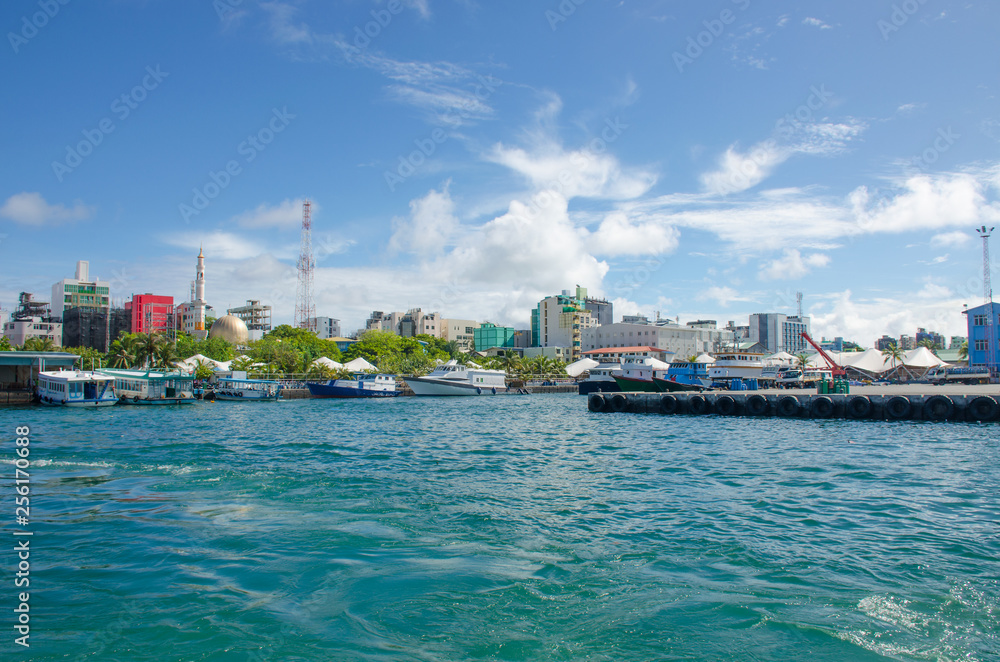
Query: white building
[413,322]
[32,320]
[80,292]
[256,316]
[326,327]
[461,331]
[683,340]
[560,321]
[779,333]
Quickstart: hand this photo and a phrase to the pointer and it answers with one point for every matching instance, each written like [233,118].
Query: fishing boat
[638,373]
[684,376]
[239,388]
[76,388]
[736,365]
[150,387]
[360,386]
[601,379]
[454,379]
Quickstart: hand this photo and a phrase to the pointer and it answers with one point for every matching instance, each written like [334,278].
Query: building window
[979,320]
[981,345]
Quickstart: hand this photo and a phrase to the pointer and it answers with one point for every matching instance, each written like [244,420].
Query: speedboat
[454,379]
[360,386]
[76,388]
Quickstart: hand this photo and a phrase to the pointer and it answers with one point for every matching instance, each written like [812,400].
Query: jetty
[917,402]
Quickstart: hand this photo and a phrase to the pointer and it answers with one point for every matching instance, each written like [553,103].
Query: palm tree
[123,352]
[38,345]
[453,348]
[510,361]
[693,358]
[147,348]
[802,361]
[963,350]
[894,354]
[166,354]
[319,372]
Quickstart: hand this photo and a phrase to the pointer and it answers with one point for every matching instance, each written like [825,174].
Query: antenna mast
[305,307]
[985,233]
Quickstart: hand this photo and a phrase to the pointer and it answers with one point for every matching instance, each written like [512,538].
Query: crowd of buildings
[565,326]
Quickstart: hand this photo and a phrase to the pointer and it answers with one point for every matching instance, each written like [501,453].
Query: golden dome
[231,329]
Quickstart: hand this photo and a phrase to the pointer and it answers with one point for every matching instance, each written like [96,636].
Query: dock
[918,402]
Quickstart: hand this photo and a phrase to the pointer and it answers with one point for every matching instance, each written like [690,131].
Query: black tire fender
[668,404]
[698,405]
[983,409]
[726,406]
[756,405]
[618,402]
[898,408]
[788,406]
[821,407]
[596,402]
[938,408]
[859,407]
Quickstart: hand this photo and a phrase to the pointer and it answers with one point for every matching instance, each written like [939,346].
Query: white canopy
[199,359]
[704,358]
[870,360]
[577,368]
[780,357]
[328,362]
[359,365]
[658,364]
[921,357]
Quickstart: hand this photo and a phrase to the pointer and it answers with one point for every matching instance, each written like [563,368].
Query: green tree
[203,371]
[929,344]
[963,350]
[38,345]
[802,361]
[893,354]
[123,352]
[89,357]
[5,345]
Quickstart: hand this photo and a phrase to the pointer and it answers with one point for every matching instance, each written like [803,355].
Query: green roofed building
[488,336]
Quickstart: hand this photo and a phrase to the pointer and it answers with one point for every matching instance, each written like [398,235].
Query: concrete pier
[927,403]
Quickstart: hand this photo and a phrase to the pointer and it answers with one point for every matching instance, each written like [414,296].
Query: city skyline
[704,162]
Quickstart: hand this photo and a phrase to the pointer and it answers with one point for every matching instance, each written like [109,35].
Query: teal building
[488,336]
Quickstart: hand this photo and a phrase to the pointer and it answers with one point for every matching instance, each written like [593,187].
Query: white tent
[842,359]
[921,357]
[871,361]
[781,358]
[658,364]
[359,365]
[194,361]
[579,367]
[704,358]
[328,362]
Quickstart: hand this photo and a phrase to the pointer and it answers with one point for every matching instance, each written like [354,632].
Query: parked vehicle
[951,375]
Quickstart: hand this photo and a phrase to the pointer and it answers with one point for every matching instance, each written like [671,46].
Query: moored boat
[736,365]
[245,390]
[150,387]
[76,388]
[454,379]
[684,376]
[601,379]
[361,386]
[638,373]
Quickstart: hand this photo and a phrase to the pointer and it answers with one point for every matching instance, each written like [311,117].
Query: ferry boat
[76,388]
[454,379]
[736,365]
[638,374]
[245,390]
[684,376]
[601,379]
[361,386]
[149,387]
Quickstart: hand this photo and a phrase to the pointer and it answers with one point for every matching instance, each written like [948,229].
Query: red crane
[837,370]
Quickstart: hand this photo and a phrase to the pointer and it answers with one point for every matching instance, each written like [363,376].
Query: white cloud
[616,235]
[32,209]
[723,295]
[792,264]
[223,245]
[946,239]
[287,213]
[430,227]
[816,23]
[420,5]
[926,202]
[283,29]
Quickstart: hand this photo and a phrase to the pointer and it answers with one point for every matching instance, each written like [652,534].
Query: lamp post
[991,340]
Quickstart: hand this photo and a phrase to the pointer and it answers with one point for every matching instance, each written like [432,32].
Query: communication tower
[305,307]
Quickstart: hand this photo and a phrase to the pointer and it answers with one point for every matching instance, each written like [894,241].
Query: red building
[151,313]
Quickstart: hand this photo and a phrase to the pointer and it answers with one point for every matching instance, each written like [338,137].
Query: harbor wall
[887,406]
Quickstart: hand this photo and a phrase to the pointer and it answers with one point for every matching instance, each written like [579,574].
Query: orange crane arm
[837,370]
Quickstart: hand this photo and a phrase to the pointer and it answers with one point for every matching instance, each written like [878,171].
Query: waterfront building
[489,336]
[327,328]
[683,340]
[633,319]
[936,338]
[617,354]
[906,343]
[779,333]
[835,345]
[150,313]
[32,319]
[885,342]
[462,332]
[413,322]
[95,328]
[79,292]
[983,335]
[602,310]
[522,338]
[740,333]
[560,353]
[257,318]
[560,320]
[957,342]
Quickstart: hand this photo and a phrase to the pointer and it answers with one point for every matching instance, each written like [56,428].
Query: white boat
[76,388]
[454,379]
[736,365]
[245,390]
[148,387]
[360,386]
[601,379]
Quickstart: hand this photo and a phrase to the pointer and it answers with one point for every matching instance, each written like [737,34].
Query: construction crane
[836,369]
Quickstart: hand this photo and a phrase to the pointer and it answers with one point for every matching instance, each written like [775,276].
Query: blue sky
[704,160]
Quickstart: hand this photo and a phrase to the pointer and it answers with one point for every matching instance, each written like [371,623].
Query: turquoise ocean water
[507,528]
